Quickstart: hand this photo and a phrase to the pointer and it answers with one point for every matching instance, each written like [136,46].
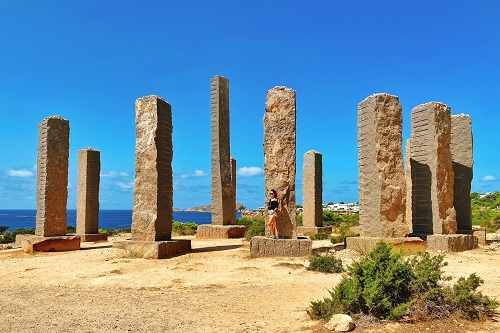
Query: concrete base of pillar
[364,245]
[210,231]
[479,233]
[149,249]
[308,231]
[451,243]
[93,237]
[33,243]
[266,247]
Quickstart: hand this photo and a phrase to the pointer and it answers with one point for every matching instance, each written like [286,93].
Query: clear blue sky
[88,61]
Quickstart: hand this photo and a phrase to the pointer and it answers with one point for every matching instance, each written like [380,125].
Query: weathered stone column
[431,170]
[87,205]
[280,155]
[153,189]
[233,185]
[463,160]
[409,186]
[223,208]
[382,189]
[51,190]
[52,179]
[312,189]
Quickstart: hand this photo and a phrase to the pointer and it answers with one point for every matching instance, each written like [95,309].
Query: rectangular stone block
[461,147]
[431,170]
[309,231]
[451,243]
[280,156]
[208,231]
[364,245]
[52,176]
[223,194]
[382,185]
[266,247]
[93,237]
[153,189]
[480,235]
[34,243]
[87,204]
[312,189]
[150,250]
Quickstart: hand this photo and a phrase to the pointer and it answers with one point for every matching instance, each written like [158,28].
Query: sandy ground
[215,288]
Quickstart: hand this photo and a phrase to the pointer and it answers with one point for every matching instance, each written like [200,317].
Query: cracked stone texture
[463,160]
[312,189]
[223,192]
[382,185]
[153,190]
[280,156]
[408,215]
[52,176]
[87,204]
[432,171]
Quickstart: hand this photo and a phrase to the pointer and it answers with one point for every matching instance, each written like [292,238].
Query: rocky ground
[215,288]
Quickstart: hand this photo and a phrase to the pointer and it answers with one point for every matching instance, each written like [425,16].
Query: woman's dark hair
[275,193]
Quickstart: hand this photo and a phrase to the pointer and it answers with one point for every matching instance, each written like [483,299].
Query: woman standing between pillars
[272,210]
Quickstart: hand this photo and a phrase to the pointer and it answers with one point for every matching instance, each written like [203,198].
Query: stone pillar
[280,155]
[462,160]
[431,170]
[312,189]
[233,185]
[382,188]
[223,208]
[87,205]
[52,176]
[51,190]
[153,190]
[408,216]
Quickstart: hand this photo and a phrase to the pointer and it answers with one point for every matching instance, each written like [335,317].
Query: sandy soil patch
[215,288]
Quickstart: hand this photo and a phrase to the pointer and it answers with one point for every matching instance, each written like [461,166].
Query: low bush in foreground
[184,229]
[325,263]
[256,226]
[387,286]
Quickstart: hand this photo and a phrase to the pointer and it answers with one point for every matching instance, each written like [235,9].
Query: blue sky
[88,61]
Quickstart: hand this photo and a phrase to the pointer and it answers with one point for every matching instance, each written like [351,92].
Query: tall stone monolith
[87,203]
[431,170]
[233,183]
[312,189]
[52,176]
[408,215]
[223,207]
[153,189]
[280,155]
[382,188]
[463,160]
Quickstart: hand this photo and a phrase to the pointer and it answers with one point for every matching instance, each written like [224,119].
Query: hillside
[208,208]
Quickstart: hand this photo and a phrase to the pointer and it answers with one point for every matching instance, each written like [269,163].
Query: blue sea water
[108,219]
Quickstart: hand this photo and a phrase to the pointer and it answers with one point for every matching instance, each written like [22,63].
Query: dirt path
[216,288]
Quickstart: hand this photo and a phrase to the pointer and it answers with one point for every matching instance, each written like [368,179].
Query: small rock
[340,323]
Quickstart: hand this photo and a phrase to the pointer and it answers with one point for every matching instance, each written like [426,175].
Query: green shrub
[3,228]
[325,263]
[11,237]
[183,229]
[70,229]
[299,220]
[342,233]
[320,235]
[256,226]
[385,285]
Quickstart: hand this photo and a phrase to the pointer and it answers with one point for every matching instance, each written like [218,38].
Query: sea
[108,219]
